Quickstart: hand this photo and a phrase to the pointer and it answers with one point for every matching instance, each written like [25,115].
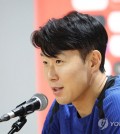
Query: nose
[52,74]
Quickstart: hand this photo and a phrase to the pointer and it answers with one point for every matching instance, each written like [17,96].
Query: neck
[87,100]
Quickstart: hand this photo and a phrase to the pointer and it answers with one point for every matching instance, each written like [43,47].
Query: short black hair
[75,31]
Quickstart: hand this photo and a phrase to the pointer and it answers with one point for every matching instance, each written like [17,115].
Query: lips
[57,90]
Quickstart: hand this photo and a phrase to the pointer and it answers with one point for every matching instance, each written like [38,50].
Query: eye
[59,61]
[45,62]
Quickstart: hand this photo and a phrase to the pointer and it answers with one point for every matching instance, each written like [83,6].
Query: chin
[62,101]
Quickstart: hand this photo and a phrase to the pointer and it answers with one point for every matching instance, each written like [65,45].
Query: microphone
[37,102]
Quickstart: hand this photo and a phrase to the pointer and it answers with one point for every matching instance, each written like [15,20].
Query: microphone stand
[18,125]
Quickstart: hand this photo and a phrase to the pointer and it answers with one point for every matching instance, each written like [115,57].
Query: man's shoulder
[113,93]
[111,102]
[112,98]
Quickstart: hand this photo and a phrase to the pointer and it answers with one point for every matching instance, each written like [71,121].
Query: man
[86,100]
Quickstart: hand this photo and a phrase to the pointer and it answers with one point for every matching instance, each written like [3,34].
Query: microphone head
[42,99]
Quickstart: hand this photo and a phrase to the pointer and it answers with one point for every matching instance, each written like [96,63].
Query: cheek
[75,78]
[45,71]
[70,73]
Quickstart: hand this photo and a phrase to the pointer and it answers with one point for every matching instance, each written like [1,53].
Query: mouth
[57,90]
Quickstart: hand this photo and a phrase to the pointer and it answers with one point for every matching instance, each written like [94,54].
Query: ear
[95,60]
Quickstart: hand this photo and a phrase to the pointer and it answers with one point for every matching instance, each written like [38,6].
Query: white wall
[17,61]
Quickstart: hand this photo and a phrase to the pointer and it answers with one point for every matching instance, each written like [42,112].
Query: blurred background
[17,60]
[21,71]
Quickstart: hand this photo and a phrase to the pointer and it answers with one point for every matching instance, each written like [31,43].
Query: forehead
[66,53]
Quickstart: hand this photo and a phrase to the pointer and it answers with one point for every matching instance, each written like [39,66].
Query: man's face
[67,75]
